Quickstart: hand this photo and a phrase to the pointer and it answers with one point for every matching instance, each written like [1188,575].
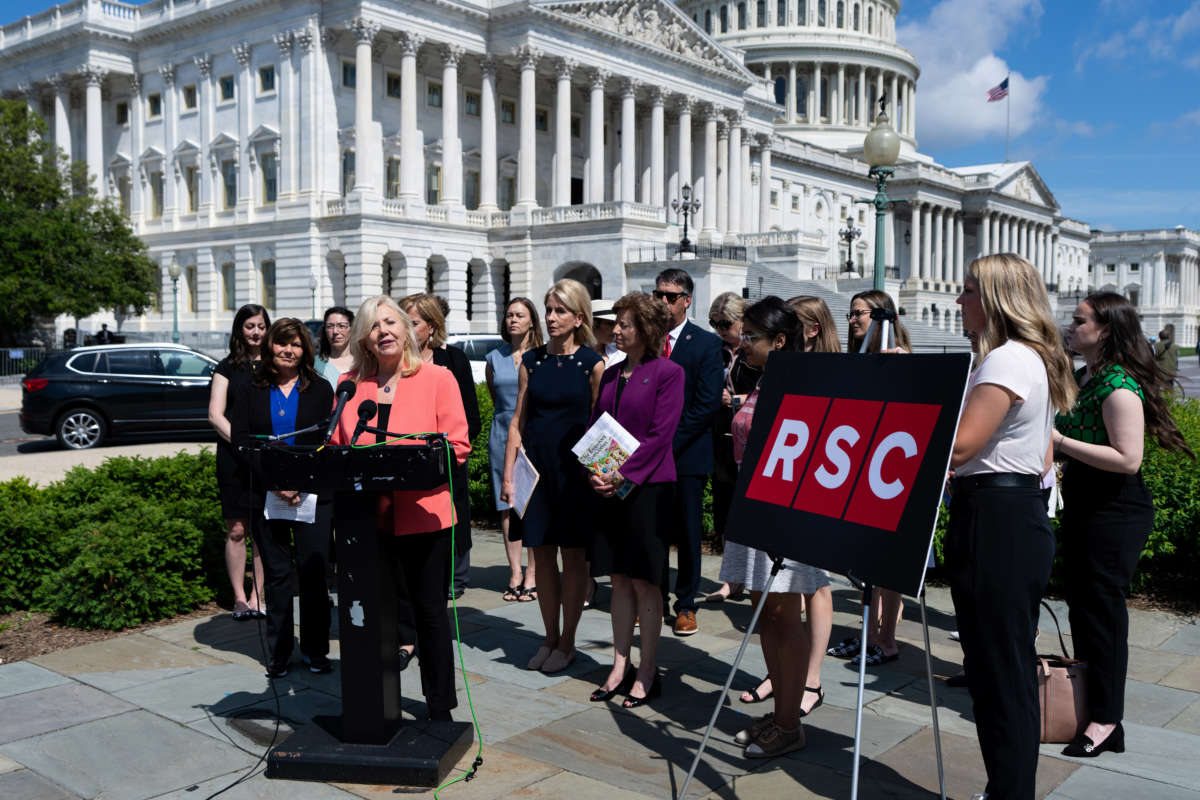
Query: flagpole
[1007,115]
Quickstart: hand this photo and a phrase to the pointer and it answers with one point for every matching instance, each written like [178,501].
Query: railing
[891,273]
[479,219]
[590,212]
[1052,288]
[437,214]
[16,361]
[671,251]
[822,273]
[335,208]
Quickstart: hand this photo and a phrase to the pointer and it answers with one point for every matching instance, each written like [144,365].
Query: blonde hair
[429,309]
[1016,308]
[365,363]
[731,304]
[813,311]
[574,295]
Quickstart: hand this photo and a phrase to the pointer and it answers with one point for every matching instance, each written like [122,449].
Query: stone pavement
[183,710]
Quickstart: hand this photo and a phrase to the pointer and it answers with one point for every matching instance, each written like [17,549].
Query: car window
[85,362]
[130,362]
[179,363]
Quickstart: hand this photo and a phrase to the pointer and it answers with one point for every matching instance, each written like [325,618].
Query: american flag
[998,92]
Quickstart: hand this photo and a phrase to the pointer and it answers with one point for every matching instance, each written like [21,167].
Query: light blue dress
[327,371]
[504,380]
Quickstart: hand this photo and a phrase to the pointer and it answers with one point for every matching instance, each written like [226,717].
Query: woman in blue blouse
[522,330]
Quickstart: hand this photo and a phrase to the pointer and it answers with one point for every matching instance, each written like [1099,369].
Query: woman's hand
[726,398]
[606,486]
[507,490]
[292,498]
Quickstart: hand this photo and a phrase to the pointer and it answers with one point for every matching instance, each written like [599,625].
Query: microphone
[345,391]
[367,410]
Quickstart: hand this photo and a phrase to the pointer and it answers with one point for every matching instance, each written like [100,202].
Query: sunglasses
[747,338]
[720,324]
[670,297]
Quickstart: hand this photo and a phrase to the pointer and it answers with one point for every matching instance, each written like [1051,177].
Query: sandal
[528,594]
[875,656]
[819,692]
[846,648]
[755,698]
[512,594]
[242,614]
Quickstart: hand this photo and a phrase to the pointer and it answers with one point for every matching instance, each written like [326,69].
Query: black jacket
[251,415]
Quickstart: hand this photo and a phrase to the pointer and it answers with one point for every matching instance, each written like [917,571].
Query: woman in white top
[999,546]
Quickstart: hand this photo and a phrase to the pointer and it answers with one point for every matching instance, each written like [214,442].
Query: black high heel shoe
[601,694]
[654,693]
[1084,747]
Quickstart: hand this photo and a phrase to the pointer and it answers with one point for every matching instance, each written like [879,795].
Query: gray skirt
[752,568]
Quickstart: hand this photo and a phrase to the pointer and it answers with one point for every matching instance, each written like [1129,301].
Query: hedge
[136,540]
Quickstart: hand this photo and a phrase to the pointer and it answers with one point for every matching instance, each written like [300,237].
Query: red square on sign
[786,452]
[891,464]
[838,457]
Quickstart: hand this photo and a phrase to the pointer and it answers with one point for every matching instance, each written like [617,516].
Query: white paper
[525,479]
[305,511]
[605,446]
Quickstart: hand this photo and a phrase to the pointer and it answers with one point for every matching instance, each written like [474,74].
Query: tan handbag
[1062,691]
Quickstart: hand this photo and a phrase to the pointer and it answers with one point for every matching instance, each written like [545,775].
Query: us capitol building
[306,154]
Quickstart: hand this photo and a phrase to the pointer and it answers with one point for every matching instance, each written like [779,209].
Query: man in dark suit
[699,353]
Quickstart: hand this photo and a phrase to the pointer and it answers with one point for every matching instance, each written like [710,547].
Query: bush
[24,552]
[1172,552]
[479,470]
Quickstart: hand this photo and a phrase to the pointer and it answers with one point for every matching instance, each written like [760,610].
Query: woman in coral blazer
[412,397]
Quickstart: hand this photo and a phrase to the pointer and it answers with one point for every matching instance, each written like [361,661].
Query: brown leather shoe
[685,623]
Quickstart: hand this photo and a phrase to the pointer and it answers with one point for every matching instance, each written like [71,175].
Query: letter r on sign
[787,450]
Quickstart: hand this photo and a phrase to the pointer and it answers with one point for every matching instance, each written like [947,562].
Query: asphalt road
[13,440]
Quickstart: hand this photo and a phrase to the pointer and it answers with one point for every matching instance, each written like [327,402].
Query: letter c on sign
[784,453]
[886,490]
[837,457]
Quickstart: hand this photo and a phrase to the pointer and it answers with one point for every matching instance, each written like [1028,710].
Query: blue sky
[1105,97]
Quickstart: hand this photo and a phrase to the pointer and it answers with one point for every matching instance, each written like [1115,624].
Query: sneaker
[748,735]
[276,670]
[318,665]
[775,741]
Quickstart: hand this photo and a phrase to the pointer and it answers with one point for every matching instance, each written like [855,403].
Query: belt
[996,480]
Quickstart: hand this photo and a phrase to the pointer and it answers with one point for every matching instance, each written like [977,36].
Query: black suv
[86,395]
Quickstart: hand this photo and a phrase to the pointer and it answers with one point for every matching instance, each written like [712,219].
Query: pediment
[655,24]
[223,141]
[1028,187]
[151,154]
[119,161]
[187,148]
[264,133]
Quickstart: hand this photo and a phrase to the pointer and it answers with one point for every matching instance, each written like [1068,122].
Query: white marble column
[764,183]
[245,102]
[722,176]
[1047,250]
[306,182]
[914,244]
[136,132]
[815,94]
[170,117]
[527,157]
[894,103]
[837,111]
[93,76]
[860,114]
[412,163]
[563,69]
[643,162]
[709,209]
[912,109]
[62,110]
[984,244]
[735,173]
[1007,227]
[628,140]
[452,194]
[997,234]
[929,268]
[487,135]
[790,116]
[658,154]
[935,266]
[685,141]
[365,31]
[286,169]
[596,136]
[957,277]
[747,202]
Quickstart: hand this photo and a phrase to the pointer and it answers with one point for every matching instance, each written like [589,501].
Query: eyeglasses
[853,315]
[747,338]
[337,326]
[720,324]
[670,297]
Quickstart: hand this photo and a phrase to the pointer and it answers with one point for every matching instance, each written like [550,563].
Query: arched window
[741,12]
[801,12]
[802,96]
[724,15]
[708,20]
[856,18]
[841,14]
[824,112]
[781,15]
[821,12]
[781,91]
[761,18]
[870,19]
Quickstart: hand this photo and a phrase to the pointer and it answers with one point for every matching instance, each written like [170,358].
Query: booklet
[525,480]
[605,446]
[306,511]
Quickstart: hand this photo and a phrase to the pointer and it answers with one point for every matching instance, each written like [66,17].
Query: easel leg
[933,704]
[862,680]
[776,565]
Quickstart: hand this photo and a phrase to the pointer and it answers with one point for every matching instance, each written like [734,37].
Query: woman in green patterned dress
[1108,511]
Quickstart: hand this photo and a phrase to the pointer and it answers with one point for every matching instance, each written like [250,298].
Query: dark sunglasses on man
[670,297]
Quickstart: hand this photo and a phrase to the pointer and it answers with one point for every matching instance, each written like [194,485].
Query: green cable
[469,774]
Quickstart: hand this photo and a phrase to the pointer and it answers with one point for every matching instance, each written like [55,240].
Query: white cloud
[956,47]
[1164,37]
[1122,208]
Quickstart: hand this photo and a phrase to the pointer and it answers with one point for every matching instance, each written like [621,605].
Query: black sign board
[846,461]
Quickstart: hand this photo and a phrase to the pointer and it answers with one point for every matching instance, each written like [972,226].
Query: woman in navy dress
[556,387]
[522,330]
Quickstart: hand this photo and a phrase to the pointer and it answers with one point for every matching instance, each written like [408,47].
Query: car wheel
[80,428]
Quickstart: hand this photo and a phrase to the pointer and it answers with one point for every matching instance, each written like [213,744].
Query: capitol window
[156,194]
[471,101]
[774,199]
[841,14]
[708,20]
[154,105]
[761,17]
[189,97]
[393,85]
[795,202]
[122,113]
[347,172]
[191,179]
[801,12]
[392,182]
[723,15]
[227,85]
[229,179]
[433,94]
[471,190]
[228,286]
[741,14]
[266,79]
[270,172]
[349,75]
[191,280]
[1110,267]
[781,16]
[504,193]
[433,185]
[856,17]
[541,120]
[821,12]
[508,112]
[267,275]
[870,19]
[576,126]
[1135,267]
[123,189]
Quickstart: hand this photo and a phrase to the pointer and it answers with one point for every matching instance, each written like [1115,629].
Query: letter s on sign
[785,452]
[886,490]
[837,457]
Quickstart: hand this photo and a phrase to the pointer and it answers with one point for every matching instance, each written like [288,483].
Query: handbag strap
[1058,628]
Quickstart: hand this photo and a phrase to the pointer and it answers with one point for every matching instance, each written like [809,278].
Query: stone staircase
[925,338]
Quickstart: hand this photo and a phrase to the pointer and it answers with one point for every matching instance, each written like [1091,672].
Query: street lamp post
[689,206]
[848,234]
[313,283]
[174,270]
[881,149]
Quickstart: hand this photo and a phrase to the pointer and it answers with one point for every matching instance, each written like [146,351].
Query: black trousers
[278,541]
[422,562]
[689,497]
[1105,523]
[999,550]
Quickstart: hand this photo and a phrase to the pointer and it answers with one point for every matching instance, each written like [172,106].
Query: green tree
[62,249]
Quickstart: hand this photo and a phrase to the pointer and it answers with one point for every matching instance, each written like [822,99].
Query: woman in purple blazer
[645,394]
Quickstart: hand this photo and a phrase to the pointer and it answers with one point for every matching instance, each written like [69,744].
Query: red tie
[666,353]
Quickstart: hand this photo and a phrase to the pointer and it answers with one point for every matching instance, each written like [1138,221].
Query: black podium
[368,743]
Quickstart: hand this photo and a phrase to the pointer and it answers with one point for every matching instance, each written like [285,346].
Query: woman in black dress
[288,395]
[556,387]
[249,326]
